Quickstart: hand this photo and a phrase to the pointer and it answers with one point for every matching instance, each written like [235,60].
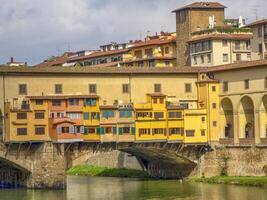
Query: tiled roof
[259,22]
[235,66]
[219,36]
[61,97]
[154,42]
[98,70]
[98,54]
[149,58]
[199,5]
[59,60]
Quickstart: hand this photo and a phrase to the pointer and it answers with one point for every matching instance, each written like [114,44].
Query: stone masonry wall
[233,161]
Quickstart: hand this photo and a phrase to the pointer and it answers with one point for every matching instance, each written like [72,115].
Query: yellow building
[155,51]
[91,119]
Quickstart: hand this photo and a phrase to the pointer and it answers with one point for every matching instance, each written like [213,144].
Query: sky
[33,30]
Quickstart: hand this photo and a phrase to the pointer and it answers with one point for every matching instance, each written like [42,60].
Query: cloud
[36,29]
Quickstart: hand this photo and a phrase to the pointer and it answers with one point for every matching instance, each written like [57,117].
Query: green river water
[91,188]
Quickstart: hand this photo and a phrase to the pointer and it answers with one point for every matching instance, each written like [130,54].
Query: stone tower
[191,18]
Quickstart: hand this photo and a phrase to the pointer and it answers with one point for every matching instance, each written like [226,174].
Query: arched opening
[246,119]
[227,119]
[263,119]
[11,175]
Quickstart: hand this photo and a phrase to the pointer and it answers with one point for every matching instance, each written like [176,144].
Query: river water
[88,188]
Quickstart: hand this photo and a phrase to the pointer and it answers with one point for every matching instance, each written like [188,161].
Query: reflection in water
[88,188]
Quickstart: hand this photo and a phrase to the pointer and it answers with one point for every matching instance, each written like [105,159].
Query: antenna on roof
[68,47]
[256,13]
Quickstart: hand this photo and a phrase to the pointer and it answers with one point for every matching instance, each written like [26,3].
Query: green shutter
[102,131]
[114,130]
[98,131]
[86,115]
[120,131]
[133,130]
[98,115]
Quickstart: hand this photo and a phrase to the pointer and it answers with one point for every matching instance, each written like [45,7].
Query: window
[214,123]
[156,131]
[108,114]
[214,105]
[151,63]
[90,102]
[172,115]
[157,88]
[125,88]
[39,115]
[73,102]
[39,130]
[39,102]
[74,115]
[260,48]
[21,115]
[140,64]
[167,50]
[92,88]
[259,31]
[190,133]
[126,114]
[88,130]
[225,57]
[225,86]
[238,57]
[56,103]
[209,58]
[249,57]
[58,89]
[265,83]
[195,60]
[161,100]
[143,114]
[138,54]
[188,87]
[176,131]
[144,131]
[225,43]
[202,59]
[22,89]
[213,88]
[158,115]
[203,132]
[203,119]
[149,52]
[237,45]
[155,100]
[167,63]
[246,84]
[21,131]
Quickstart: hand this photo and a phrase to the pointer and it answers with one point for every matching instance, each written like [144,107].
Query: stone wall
[239,161]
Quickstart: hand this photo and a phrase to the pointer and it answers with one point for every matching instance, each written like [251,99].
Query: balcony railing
[177,105]
[242,48]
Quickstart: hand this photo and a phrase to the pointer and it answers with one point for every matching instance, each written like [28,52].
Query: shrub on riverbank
[246,181]
[87,170]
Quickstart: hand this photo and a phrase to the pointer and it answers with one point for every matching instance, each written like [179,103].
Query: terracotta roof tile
[98,54]
[201,5]
[154,42]
[219,36]
[259,22]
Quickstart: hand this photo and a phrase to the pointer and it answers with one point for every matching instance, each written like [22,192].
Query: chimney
[11,59]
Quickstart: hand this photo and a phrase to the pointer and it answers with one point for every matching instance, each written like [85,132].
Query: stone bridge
[44,165]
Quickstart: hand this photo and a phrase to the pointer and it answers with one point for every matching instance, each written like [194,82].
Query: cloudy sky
[32,30]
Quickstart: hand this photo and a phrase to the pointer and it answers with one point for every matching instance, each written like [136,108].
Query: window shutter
[98,115]
[98,131]
[82,129]
[120,131]
[133,130]
[102,130]
[86,116]
[72,129]
[114,130]
[59,130]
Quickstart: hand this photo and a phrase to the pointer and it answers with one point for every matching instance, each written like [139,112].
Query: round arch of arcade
[244,118]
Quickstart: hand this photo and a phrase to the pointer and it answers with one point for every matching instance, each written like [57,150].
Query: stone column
[236,127]
[262,121]
[48,167]
[257,126]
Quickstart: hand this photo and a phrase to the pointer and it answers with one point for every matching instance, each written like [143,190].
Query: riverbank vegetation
[234,180]
[88,170]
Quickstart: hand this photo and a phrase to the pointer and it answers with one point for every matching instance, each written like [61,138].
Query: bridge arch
[227,118]
[246,118]
[12,175]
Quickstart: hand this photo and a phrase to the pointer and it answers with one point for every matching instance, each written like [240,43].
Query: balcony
[176,105]
[246,141]
[241,49]
[227,141]
[145,106]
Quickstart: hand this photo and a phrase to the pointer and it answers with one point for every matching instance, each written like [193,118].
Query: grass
[88,170]
[235,180]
